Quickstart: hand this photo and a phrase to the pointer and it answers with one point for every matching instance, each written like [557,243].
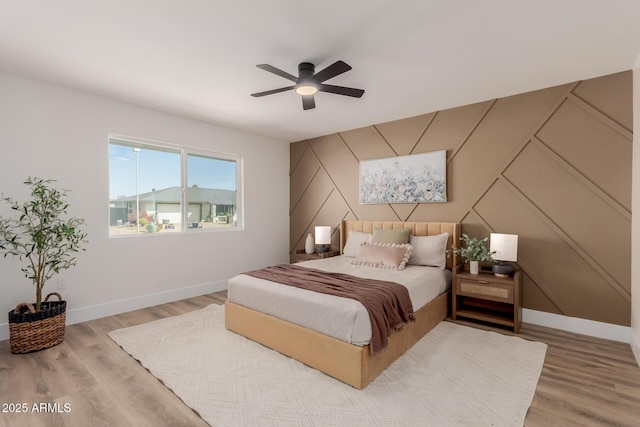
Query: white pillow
[354,240]
[383,255]
[429,250]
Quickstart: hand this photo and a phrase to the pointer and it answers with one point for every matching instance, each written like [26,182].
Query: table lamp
[506,249]
[323,238]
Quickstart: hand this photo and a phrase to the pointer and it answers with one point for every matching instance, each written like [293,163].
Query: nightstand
[302,256]
[487,297]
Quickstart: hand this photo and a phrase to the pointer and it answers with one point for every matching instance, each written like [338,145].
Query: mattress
[341,318]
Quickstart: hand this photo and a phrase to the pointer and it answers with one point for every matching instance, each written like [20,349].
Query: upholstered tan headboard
[417,229]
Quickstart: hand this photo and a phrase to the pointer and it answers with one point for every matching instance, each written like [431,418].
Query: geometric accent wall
[552,166]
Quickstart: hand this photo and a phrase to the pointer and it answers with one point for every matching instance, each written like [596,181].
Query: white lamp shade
[323,235]
[505,246]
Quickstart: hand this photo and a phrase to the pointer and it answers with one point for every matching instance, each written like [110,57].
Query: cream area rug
[454,376]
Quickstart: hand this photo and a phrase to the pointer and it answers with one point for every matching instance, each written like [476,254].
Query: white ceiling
[197,57]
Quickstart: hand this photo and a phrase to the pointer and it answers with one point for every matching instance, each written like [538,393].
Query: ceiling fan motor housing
[306,70]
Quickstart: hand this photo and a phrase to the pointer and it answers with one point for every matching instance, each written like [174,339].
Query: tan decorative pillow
[383,255]
[399,236]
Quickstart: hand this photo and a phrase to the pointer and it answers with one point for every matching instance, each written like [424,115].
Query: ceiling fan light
[306,89]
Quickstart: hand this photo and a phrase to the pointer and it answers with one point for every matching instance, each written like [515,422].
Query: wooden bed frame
[349,363]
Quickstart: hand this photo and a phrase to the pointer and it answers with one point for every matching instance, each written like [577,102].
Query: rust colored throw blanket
[388,303]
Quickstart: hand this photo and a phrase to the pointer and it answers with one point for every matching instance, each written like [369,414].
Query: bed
[347,358]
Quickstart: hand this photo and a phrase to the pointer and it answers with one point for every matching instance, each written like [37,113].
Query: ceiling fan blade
[341,90]
[278,72]
[331,71]
[271,92]
[308,102]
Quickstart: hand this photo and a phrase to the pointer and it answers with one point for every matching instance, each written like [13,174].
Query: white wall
[58,133]
[635,223]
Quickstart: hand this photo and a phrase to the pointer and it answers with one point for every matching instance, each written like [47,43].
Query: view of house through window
[147,195]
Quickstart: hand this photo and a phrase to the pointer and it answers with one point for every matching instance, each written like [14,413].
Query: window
[167,189]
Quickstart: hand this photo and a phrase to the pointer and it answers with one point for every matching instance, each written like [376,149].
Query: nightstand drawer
[485,290]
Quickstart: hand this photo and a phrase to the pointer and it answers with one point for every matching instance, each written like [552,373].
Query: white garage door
[171,212]
[193,213]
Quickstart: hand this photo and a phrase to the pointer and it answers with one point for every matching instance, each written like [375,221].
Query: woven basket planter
[36,330]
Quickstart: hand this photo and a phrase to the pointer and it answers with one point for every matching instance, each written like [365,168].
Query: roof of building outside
[214,196]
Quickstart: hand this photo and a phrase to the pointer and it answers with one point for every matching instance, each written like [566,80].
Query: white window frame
[185,151]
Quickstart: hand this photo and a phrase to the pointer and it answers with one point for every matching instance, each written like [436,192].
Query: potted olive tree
[41,235]
[474,251]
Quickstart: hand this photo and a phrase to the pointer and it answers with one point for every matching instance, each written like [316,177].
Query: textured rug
[454,376]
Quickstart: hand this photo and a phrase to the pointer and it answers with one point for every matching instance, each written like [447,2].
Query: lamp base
[320,249]
[502,269]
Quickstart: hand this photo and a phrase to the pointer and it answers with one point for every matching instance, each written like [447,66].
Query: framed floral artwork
[417,178]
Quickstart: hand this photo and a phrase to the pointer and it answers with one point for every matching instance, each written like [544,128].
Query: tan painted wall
[553,166]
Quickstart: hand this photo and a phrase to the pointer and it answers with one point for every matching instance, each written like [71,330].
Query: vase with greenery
[474,251]
[40,233]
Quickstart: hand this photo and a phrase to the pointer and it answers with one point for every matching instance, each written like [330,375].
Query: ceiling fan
[309,82]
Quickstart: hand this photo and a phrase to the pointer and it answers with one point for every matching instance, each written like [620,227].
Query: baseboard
[581,326]
[84,314]
[635,343]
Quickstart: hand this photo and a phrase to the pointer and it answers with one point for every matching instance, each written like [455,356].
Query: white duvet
[341,318]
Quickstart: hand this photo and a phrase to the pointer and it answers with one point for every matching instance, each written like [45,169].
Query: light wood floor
[585,381]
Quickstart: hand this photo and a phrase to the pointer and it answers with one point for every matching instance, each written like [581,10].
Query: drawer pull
[484,282]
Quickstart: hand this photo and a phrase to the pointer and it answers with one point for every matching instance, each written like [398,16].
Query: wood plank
[585,380]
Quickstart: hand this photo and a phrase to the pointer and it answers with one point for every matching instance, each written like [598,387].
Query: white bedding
[341,318]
